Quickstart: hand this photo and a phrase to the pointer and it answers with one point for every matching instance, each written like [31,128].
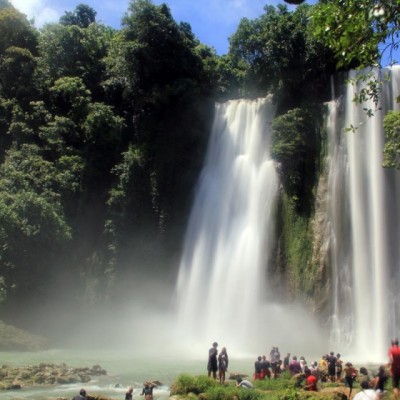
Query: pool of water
[123,370]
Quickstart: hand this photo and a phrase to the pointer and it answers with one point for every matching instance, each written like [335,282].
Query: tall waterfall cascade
[223,283]
[223,279]
[363,231]
[222,269]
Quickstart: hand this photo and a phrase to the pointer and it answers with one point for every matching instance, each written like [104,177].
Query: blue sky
[212,21]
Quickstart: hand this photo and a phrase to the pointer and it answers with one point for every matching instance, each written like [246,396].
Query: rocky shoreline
[13,378]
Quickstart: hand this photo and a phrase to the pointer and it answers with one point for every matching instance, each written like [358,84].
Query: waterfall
[363,231]
[223,288]
[223,292]
[222,272]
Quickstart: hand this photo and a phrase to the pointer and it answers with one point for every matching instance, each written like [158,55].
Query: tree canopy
[362,33]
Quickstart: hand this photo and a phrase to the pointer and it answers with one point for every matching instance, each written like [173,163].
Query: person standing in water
[128,394]
[212,365]
[223,362]
[148,390]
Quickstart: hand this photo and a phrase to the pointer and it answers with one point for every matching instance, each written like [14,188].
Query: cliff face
[320,270]
[301,268]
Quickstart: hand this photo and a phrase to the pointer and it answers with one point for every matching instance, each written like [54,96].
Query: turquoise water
[123,370]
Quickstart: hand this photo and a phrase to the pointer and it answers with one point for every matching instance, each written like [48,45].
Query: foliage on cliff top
[281,56]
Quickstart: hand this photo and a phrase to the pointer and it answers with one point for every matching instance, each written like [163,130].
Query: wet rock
[47,374]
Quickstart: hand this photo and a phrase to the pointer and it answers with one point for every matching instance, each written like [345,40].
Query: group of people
[331,368]
[147,392]
[217,363]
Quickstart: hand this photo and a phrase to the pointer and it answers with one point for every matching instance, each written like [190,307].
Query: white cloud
[28,7]
[46,15]
[36,9]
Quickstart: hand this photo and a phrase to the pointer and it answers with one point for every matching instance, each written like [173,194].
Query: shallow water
[123,370]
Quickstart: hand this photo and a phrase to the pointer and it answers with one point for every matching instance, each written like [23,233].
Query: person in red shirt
[311,381]
[394,360]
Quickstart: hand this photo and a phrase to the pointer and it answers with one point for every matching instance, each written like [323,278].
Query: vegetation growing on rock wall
[296,238]
[391,151]
[295,147]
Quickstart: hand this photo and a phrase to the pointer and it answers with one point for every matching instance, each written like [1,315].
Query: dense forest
[103,133]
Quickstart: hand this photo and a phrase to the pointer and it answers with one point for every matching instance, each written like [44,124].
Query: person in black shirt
[212,365]
[331,360]
[148,390]
[128,394]
[81,396]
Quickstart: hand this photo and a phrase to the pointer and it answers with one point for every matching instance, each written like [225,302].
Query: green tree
[17,67]
[32,220]
[295,146]
[70,97]
[69,50]
[361,33]
[83,16]
[282,57]
[16,31]
[161,77]
[160,55]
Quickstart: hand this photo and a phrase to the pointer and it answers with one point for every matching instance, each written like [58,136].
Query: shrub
[185,384]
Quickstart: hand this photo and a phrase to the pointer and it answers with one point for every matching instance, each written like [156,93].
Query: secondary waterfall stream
[363,228]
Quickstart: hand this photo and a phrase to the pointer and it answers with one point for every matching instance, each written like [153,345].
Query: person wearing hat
[212,365]
[81,396]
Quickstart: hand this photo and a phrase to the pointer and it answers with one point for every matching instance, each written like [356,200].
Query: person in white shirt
[366,393]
